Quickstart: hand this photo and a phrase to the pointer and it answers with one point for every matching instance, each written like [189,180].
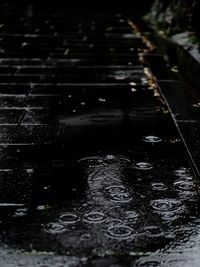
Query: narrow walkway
[93,171]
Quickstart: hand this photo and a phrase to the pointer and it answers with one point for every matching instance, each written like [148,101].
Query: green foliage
[175,16]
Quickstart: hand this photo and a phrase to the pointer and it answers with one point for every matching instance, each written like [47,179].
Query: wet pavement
[93,168]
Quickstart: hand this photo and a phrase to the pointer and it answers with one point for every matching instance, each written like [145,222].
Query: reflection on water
[126,208]
[113,187]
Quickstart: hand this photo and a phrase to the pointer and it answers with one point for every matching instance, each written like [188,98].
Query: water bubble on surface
[143,166]
[170,216]
[102,99]
[152,139]
[117,158]
[167,205]
[133,90]
[184,185]
[116,189]
[120,232]
[131,215]
[158,186]
[68,218]
[94,217]
[24,44]
[128,36]
[147,263]
[177,262]
[55,228]
[91,159]
[182,172]
[41,207]
[118,193]
[29,171]
[86,237]
[20,212]
[132,84]
[111,157]
[120,77]
[121,197]
[113,222]
[153,231]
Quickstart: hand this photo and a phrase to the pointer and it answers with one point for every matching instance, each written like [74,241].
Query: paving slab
[94,166]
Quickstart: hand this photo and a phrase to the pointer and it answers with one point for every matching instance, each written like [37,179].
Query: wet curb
[179,55]
[173,89]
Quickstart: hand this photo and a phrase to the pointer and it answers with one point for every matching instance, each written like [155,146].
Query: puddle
[105,182]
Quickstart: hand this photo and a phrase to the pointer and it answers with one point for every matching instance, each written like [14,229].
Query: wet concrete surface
[93,170]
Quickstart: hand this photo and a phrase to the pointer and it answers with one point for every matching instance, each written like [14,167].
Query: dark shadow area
[93,170]
[35,7]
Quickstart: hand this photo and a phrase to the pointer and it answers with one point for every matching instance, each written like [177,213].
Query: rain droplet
[184,185]
[177,262]
[114,222]
[153,231]
[182,172]
[29,171]
[147,263]
[133,90]
[152,139]
[86,237]
[167,205]
[120,77]
[116,189]
[83,103]
[68,218]
[42,207]
[55,228]
[132,83]
[143,166]
[120,232]
[110,157]
[24,44]
[118,193]
[131,215]
[159,186]
[20,212]
[94,217]
[102,99]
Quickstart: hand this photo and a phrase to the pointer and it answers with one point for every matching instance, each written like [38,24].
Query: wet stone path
[92,169]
